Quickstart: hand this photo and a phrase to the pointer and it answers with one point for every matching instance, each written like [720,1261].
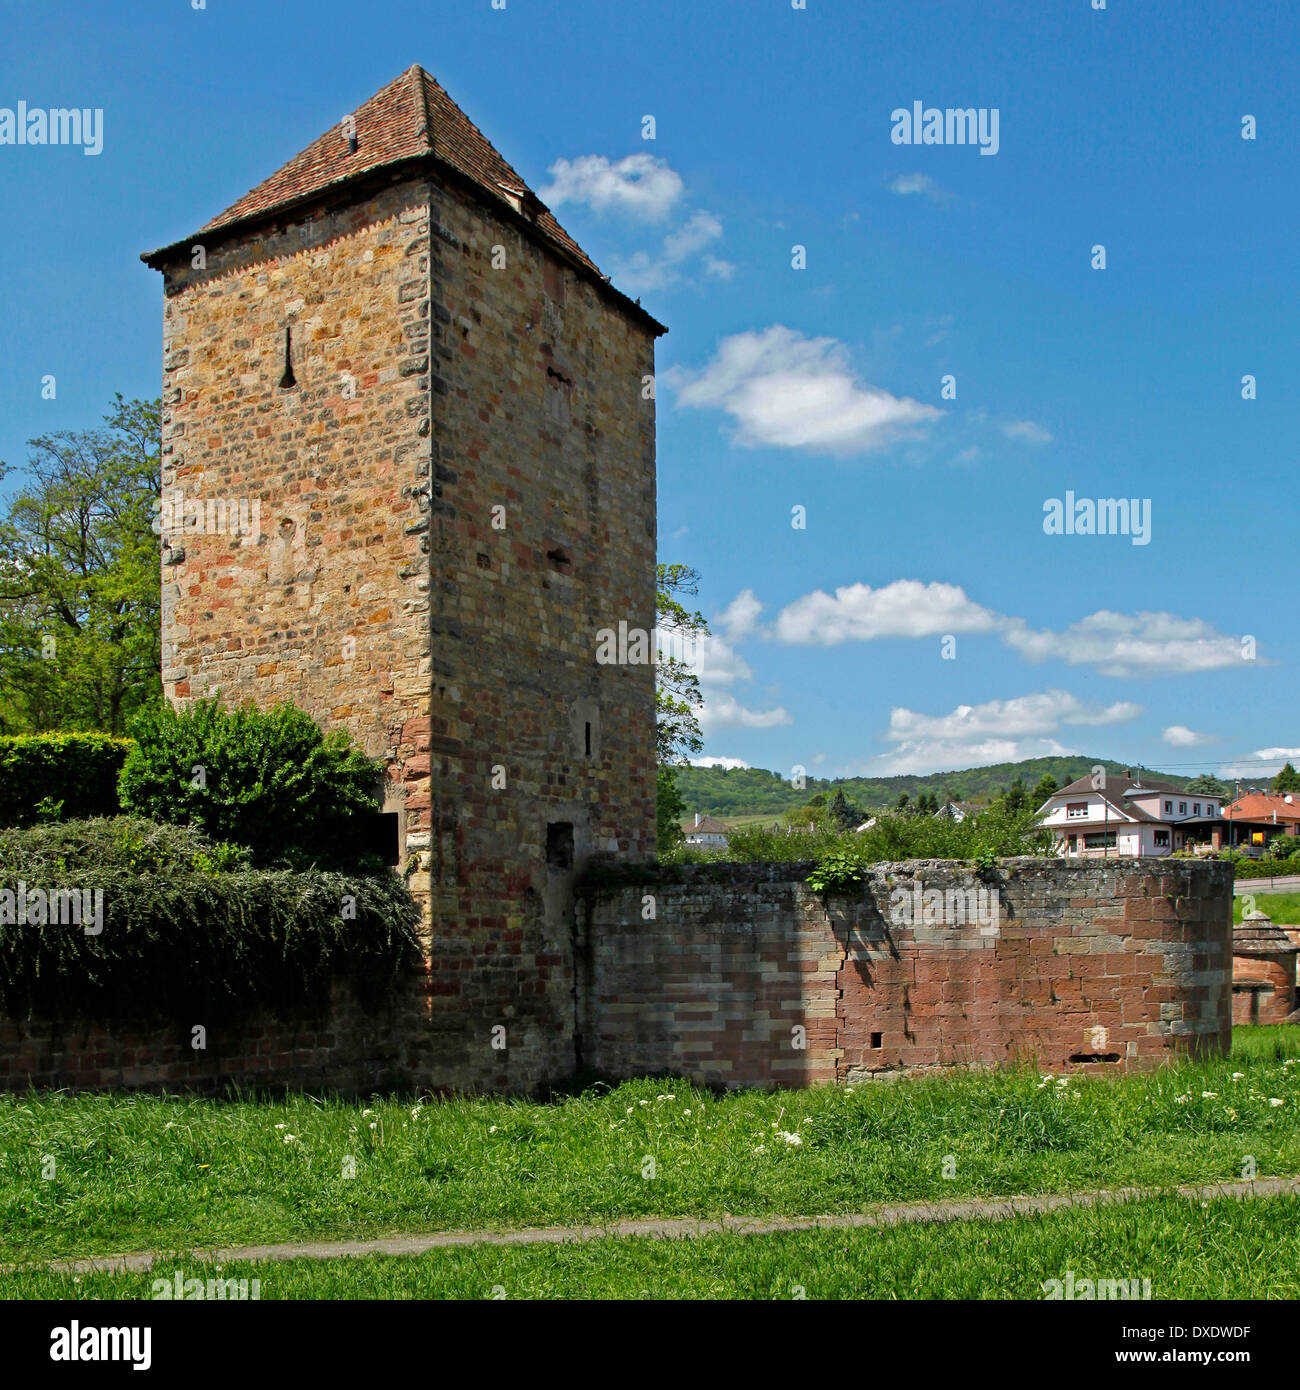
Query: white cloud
[906,184]
[713,659]
[639,185]
[904,608]
[788,391]
[1264,762]
[953,755]
[721,711]
[1180,736]
[739,618]
[1025,715]
[1138,644]
[1028,430]
[995,732]
[642,271]
[719,762]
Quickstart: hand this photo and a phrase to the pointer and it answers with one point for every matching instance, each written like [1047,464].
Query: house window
[1077,810]
[1102,839]
[1169,808]
[1162,839]
[1182,808]
[1209,809]
[1196,808]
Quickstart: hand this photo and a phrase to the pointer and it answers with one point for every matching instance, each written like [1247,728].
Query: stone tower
[408,476]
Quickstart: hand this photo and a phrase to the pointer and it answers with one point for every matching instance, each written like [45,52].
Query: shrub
[896,836]
[837,871]
[188,928]
[59,776]
[266,779]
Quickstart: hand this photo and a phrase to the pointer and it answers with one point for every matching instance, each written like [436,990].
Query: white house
[708,832]
[1130,815]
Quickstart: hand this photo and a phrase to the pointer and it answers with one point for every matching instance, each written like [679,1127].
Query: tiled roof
[1120,786]
[1256,935]
[412,118]
[1261,806]
[709,825]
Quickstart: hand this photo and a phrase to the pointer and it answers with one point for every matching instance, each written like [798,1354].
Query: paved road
[1285,884]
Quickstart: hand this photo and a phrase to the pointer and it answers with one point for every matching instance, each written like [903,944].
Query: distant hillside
[752,791]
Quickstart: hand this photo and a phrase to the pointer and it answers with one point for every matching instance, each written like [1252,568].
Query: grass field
[1281,907]
[133,1173]
[1219,1249]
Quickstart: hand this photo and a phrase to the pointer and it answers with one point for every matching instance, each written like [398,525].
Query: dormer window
[522,200]
[1077,810]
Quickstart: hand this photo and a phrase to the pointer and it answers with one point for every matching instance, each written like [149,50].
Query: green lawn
[1281,907]
[1187,1249]
[132,1173]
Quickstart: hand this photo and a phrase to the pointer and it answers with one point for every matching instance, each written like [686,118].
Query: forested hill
[753,791]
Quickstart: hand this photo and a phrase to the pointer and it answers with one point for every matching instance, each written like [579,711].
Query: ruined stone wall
[746,977]
[740,975]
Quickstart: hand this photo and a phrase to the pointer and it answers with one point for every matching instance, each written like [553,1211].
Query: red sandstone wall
[1263,988]
[1086,966]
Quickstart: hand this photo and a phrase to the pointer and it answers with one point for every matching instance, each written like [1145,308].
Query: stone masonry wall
[456,495]
[340,1047]
[1263,989]
[740,975]
[746,977]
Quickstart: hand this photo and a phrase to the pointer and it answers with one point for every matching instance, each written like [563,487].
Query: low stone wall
[741,975]
[339,1046]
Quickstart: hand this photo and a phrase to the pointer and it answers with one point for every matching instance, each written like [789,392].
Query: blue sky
[817,388]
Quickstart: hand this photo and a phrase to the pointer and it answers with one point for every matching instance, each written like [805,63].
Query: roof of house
[1256,935]
[709,825]
[1262,806]
[411,120]
[1119,786]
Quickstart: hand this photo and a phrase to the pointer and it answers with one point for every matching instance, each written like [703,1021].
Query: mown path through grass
[913,1213]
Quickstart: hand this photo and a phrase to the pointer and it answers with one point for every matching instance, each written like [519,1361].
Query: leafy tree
[902,803]
[1205,785]
[79,577]
[677,687]
[669,810]
[1288,780]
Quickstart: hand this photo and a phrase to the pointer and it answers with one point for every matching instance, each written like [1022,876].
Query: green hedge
[268,779]
[1267,867]
[80,771]
[188,929]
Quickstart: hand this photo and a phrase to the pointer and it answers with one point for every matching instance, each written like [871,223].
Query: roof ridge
[418,74]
